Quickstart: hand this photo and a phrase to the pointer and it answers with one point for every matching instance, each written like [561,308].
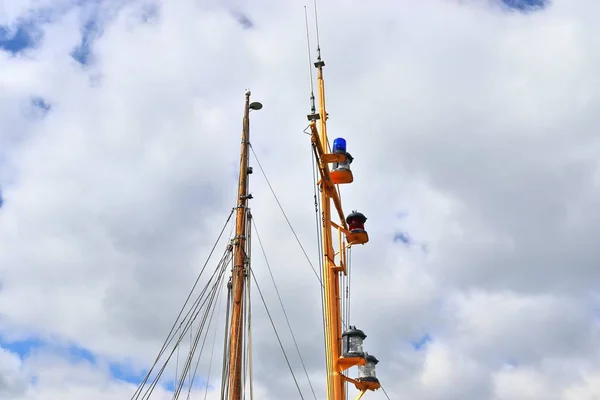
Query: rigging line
[276,334]
[285,215]
[343,297]
[198,303]
[248,299]
[319,239]
[319,231]
[224,373]
[250,343]
[349,288]
[195,311]
[193,377]
[243,325]
[161,371]
[212,351]
[384,392]
[210,310]
[198,307]
[284,312]
[182,308]
[190,381]
[243,339]
[176,370]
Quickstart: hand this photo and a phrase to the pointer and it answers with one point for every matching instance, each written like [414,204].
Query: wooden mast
[238,275]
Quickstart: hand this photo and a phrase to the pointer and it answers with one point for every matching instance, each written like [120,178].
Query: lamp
[352,341]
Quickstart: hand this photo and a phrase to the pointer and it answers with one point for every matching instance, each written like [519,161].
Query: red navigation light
[356,222]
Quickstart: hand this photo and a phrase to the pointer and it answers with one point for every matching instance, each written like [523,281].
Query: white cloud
[476,125]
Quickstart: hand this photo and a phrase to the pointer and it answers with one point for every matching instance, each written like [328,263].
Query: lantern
[356,226]
[341,172]
[356,222]
[352,341]
[366,373]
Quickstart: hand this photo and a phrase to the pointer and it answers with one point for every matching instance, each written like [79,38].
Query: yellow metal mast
[343,350]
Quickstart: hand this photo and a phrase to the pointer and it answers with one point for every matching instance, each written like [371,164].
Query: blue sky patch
[83,52]
[243,19]
[512,362]
[171,385]
[422,342]
[22,348]
[526,5]
[150,12]
[40,104]
[125,373]
[21,37]
[74,353]
[402,237]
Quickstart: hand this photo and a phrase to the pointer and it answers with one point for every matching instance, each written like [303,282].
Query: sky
[471,124]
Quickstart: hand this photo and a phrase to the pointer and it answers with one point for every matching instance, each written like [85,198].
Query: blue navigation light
[339,145]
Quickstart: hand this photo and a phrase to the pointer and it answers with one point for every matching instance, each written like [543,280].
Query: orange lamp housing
[341,172]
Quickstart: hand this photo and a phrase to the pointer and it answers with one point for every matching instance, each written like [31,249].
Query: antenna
[313,108]
[317,30]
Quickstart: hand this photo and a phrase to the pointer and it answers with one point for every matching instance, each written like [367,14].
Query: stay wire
[277,334]
[319,235]
[167,340]
[195,311]
[349,288]
[384,392]
[318,205]
[209,310]
[226,344]
[212,351]
[285,215]
[284,312]
[218,295]
[249,304]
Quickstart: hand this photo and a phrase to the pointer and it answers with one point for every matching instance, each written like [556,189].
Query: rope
[190,378]
[188,324]
[194,310]
[167,341]
[285,215]
[319,242]
[212,313]
[225,372]
[384,392]
[176,370]
[210,310]
[284,312]
[349,261]
[212,352]
[248,286]
[277,334]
